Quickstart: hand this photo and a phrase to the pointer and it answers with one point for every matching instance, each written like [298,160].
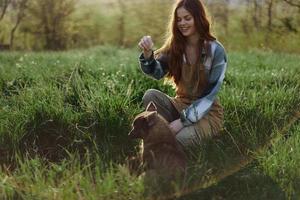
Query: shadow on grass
[53,139]
[249,183]
[49,140]
[218,168]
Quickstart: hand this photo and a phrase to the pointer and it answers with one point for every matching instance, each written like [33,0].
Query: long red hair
[174,45]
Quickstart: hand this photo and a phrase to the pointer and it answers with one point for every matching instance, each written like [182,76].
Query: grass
[65,117]
[37,179]
[282,162]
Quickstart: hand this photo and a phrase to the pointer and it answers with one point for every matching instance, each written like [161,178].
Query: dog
[162,158]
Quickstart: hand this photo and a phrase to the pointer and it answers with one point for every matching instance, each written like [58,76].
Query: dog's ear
[151,106]
[138,128]
[151,118]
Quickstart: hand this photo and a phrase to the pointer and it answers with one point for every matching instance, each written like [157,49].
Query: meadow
[65,117]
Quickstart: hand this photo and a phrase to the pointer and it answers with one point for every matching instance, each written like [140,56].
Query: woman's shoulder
[216,47]
[218,51]
[217,54]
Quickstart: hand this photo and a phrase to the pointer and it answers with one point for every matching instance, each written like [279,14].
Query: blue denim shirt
[215,67]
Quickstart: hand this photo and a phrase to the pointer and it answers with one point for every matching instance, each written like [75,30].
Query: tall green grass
[70,179]
[73,110]
[281,162]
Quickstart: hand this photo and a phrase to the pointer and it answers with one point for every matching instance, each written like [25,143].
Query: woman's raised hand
[146,45]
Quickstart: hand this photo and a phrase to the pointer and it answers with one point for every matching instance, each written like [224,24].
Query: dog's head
[143,122]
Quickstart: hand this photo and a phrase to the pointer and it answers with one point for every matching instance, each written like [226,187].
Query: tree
[220,12]
[3,6]
[293,3]
[121,25]
[270,4]
[20,6]
[51,18]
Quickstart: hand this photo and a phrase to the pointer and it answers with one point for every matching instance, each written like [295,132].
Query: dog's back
[161,151]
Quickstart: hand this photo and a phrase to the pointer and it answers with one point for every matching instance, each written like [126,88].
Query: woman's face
[185,22]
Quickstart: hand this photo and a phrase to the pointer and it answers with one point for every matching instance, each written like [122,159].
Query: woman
[196,62]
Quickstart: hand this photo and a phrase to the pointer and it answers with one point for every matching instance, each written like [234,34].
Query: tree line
[65,24]
[43,20]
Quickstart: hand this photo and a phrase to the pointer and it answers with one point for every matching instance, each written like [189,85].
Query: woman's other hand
[146,45]
[176,126]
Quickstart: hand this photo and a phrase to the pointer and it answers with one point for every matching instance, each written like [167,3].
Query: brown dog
[162,157]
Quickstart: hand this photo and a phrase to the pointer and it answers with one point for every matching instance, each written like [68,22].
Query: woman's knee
[188,136]
[150,95]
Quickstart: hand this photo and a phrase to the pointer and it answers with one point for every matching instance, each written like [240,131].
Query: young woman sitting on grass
[196,62]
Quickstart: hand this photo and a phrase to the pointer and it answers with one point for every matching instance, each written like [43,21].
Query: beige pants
[207,127]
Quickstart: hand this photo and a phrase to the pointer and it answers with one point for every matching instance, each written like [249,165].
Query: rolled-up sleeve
[156,68]
[200,107]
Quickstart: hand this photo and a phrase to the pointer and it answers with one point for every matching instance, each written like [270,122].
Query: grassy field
[65,117]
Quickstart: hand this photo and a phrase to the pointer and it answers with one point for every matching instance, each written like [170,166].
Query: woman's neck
[193,40]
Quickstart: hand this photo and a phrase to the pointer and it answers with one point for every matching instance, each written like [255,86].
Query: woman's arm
[200,107]
[156,68]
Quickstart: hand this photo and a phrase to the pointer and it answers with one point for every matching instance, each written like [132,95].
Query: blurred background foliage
[68,24]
